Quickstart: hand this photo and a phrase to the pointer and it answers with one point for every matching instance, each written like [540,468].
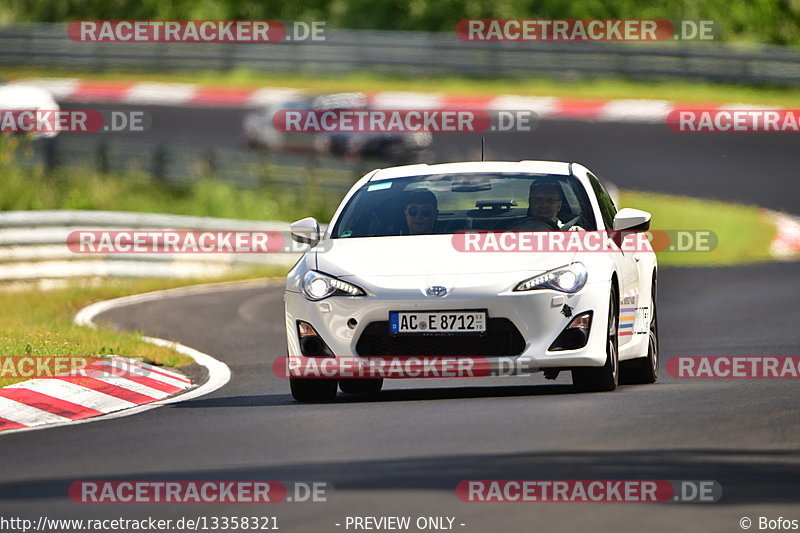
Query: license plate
[437,322]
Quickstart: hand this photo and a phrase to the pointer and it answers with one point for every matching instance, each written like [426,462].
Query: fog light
[575,335]
[311,344]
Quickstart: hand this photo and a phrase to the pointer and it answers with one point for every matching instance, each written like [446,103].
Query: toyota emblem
[436,290]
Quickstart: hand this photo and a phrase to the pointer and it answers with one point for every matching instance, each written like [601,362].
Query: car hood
[425,255]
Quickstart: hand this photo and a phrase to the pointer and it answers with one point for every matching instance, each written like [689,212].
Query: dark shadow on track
[747,476]
[392,395]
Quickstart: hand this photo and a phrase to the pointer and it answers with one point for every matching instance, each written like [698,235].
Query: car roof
[523,167]
[340,101]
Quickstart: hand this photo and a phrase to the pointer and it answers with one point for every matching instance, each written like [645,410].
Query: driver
[545,200]
[420,211]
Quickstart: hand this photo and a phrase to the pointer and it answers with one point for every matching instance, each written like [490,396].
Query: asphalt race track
[403,451]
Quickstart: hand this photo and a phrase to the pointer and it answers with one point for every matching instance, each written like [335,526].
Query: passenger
[420,211]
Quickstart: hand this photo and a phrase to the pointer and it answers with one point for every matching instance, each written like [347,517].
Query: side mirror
[632,220]
[305,231]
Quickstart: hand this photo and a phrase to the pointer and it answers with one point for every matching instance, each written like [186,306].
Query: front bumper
[537,316]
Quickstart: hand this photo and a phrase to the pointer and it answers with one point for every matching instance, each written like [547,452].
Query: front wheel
[313,390]
[606,377]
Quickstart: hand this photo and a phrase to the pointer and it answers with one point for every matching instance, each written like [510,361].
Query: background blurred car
[21,97]
[396,147]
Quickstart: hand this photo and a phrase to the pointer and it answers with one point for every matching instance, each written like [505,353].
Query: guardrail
[33,246]
[411,54]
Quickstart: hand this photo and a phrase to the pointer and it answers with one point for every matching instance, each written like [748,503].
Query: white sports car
[430,261]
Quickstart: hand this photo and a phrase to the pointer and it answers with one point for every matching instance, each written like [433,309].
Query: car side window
[607,208]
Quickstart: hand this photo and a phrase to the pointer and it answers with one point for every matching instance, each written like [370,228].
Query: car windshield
[449,203]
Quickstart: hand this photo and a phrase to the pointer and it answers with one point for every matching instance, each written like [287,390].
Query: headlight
[570,278]
[317,286]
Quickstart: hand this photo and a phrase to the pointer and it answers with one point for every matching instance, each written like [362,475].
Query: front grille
[502,338]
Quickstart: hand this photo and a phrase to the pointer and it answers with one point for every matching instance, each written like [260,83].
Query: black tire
[644,370]
[361,386]
[604,378]
[313,390]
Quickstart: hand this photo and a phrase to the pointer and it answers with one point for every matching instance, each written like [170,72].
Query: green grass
[37,323]
[81,188]
[688,92]
[754,21]
[744,232]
